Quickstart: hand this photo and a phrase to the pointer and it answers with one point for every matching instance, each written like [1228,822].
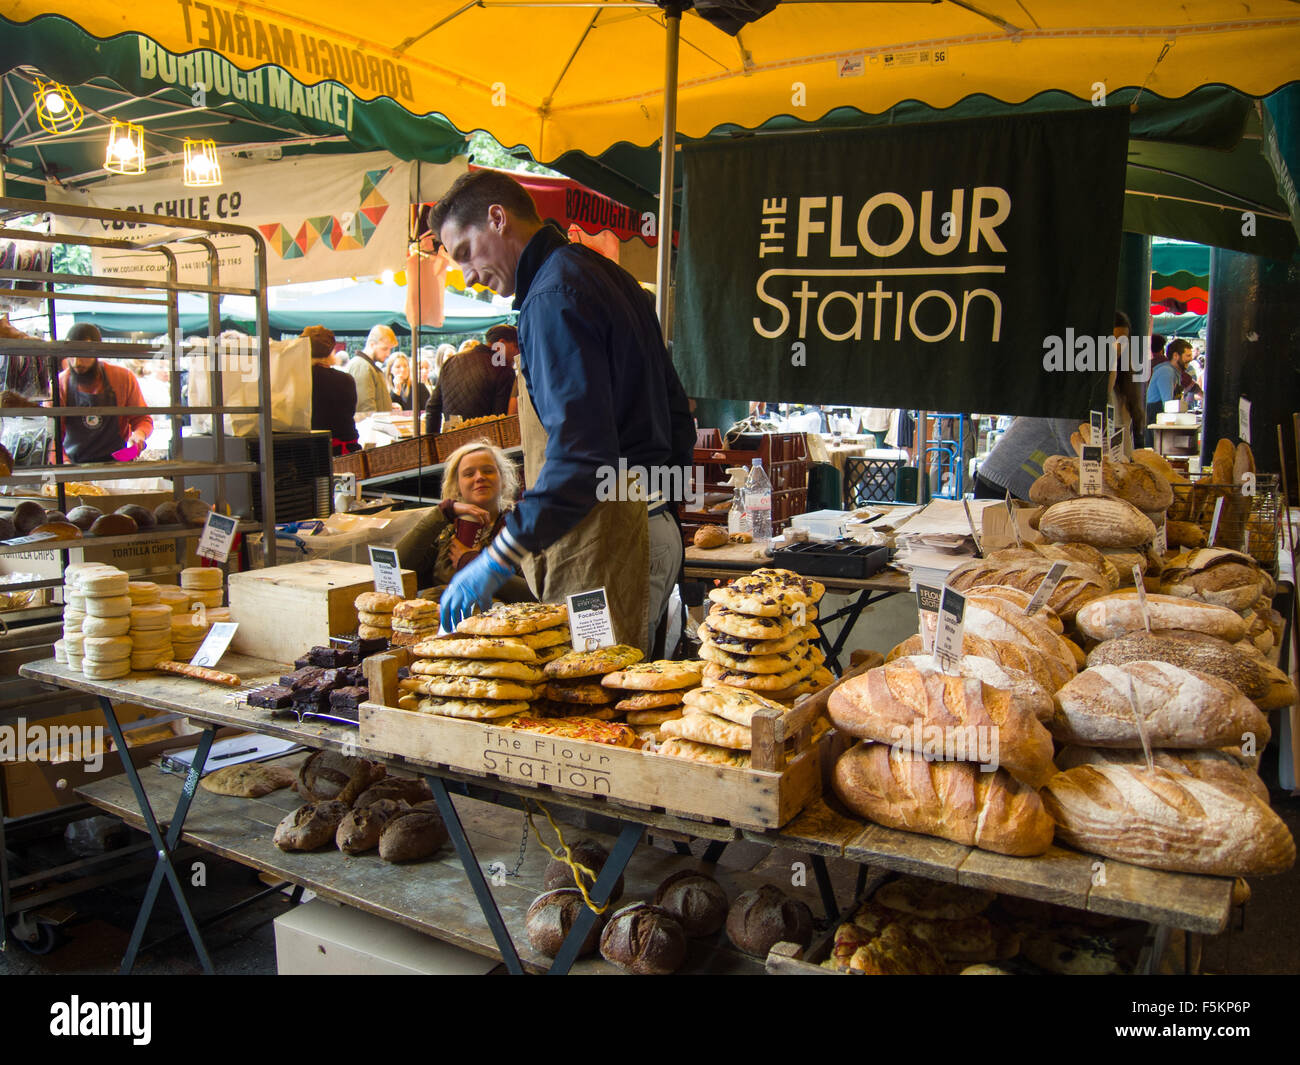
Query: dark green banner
[964,266]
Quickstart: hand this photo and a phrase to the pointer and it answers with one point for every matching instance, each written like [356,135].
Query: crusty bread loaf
[697,901]
[765,916]
[1097,520]
[1135,483]
[1021,599]
[1046,670]
[360,828]
[997,619]
[1225,457]
[1213,575]
[1120,613]
[1216,767]
[1168,821]
[951,800]
[309,827]
[910,700]
[413,834]
[1078,585]
[1024,690]
[1124,559]
[551,916]
[1179,708]
[644,940]
[1184,534]
[1191,650]
[1154,460]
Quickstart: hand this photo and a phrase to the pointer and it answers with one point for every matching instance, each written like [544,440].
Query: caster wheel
[46,938]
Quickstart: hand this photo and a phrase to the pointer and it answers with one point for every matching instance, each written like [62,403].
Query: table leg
[1160,944]
[483,893]
[829,902]
[614,866]
[163,847]
[713,852]
[850,615]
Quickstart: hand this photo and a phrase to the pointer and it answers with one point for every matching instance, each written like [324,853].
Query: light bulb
[54,103]
[123,149]
[386,277]
[200,164]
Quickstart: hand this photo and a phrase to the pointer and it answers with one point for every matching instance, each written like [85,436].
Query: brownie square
[332,657]
[348,698]
[310,700]
[364,647]
[403,672]
[303,662]
[302,676]
[272,697]
[352,676]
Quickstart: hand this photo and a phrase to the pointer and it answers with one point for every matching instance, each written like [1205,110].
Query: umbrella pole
[667,153]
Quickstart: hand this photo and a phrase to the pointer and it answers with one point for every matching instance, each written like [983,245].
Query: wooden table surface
[1191,902]
[731,560]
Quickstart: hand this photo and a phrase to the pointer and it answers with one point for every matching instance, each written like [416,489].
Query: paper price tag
[589,622]
[387,570]
[1142,596]
[1115,450]
[1141,724]
[1243,419]
[952,625]
[927,605]
[1097,422]
[1011,515]
[1110,418]
[1046,587]
[1090,475]
[1161,544]
[1214,524]
[218,534]
[214,644]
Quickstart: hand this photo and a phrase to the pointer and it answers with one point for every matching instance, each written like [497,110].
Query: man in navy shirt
[1166,381]
[598,398]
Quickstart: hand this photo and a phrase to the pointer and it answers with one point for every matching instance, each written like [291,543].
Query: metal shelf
[106,471]
[121,412]
[161,288]
[143,536]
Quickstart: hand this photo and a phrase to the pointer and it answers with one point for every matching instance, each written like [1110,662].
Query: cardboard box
[50,778]
[320,938]
[284,610]
[145,558]
[995,527]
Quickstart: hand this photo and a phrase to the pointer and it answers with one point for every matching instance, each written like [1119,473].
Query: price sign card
[387,570]
[1011,516]
[214,644]
[1110,418]
[1097,422]
[1045,588]
[1142,596]
[1090,475]
[589,621]
[1115,451]
[1162,540]
[1214,523]
[218,535]
[1243,419]
[952,625]
[927,605]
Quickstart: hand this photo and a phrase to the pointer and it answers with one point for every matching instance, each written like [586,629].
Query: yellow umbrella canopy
[564,75]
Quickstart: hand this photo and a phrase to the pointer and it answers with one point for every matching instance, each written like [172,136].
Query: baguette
[1121,613]
[1215,767]
[951,800]
[212,676]
[1159,819]
[1179,708]
[910,701]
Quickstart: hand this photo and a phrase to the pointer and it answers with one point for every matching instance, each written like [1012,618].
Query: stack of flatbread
[651,693]
[573,683]
[489,669]
[716,725]
[759,636]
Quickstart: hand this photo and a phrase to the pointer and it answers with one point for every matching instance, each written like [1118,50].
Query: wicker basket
[501,432]
[354,463]
[403,455]
[1248,523]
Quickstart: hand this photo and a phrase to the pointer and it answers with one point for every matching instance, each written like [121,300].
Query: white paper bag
[237,361]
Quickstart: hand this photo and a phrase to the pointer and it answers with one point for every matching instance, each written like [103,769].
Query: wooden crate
[748,798]
[284,610]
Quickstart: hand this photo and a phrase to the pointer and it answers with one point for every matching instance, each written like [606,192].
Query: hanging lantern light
[57,109]
[125,153]
[201,166]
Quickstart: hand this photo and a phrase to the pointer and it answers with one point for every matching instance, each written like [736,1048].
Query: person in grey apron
[91,383]
[598,399]
[93,437]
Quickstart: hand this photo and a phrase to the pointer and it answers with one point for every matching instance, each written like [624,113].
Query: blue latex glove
[472,587]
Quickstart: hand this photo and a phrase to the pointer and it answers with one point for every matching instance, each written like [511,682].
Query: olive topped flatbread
[734,704]
[662,675]
[500,647]
[738,645]
[792,583]
[747,626]
[501,669]
[515,619]
[764,602]
[593,663]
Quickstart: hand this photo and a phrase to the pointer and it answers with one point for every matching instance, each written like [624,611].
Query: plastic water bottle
[758,503]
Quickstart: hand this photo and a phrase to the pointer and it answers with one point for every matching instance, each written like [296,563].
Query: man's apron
[609,548]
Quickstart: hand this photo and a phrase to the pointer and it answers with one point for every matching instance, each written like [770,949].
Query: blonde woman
[366,368]
[479,486]
[398,374]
